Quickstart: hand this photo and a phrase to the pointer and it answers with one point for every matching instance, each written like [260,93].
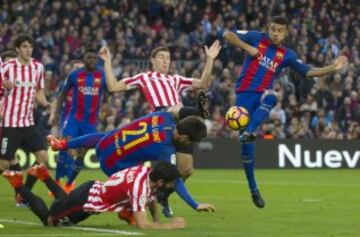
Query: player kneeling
[127,192]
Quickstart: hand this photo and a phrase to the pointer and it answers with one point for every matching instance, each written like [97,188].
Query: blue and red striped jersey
[87,89]
[145,139]
[258,73]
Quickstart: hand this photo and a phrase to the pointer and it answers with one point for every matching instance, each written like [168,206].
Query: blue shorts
[74,128]
[249,100]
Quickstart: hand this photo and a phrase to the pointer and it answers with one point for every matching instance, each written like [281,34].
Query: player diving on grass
[266,58]
[127,192]
[150,138]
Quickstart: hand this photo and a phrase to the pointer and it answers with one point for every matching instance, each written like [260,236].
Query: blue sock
[69,161]
[87,141]
[247,156]
[261,113]
[60,165]
[181,190]
[77,166]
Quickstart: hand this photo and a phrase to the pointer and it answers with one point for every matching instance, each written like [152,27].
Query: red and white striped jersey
[17,110]
[127,188]
[160,90]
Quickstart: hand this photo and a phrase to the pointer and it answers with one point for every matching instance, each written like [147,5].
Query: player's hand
[340,62]
[53,119]
[205,207]
[214,50]
[178,222]
[8,85]
[104,54]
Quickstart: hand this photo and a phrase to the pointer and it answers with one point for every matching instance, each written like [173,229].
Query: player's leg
[10,142]
[68,210]
[77,166]
[79,161]
[63,158]
[11,139]
[15,166]
[201,109]
[250,101]
[36,144]
[41,172]
[36,204]
[268,102]
[86,141]
[184,163]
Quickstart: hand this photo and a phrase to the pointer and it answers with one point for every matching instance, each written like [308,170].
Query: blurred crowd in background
[319,30]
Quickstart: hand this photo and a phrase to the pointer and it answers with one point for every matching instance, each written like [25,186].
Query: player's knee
[247,159]
[270,98]
[4,164]
[186,173]
[42,156]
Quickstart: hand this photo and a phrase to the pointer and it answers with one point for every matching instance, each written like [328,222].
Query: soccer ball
[237,118]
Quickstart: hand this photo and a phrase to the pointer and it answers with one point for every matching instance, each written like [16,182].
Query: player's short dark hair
[281,20]
[192,126]
[155,51]
[165,171]
[90,50]
[8,54]
[21,38]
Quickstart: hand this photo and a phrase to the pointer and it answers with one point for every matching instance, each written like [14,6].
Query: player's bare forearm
[143,223]
[41,99]
[233,39]
[111,83]
[154,210]
[338,64]
[205,80]
[318,72]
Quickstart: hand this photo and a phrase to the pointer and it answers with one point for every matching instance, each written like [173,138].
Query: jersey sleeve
[133,82]
[41,78]
[68,83]
[249,37]
[182,83]
[138,196]
[296,64]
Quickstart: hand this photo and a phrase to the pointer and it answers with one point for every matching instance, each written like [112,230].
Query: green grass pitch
[298,203]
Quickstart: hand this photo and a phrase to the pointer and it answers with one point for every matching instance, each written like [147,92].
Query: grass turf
[298,203]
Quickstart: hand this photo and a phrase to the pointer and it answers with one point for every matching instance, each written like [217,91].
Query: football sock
[54,188]
[60,165]
[181,190]
[247,156]
[261,113]
[87,141]
[77,166]
[37,205]
[15,167]
[186,111]
[30,179]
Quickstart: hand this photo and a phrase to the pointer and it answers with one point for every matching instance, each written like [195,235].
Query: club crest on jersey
[97,81]
[89,90]
[267,62]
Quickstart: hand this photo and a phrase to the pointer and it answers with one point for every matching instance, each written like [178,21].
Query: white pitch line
[55,235]
[89,229]
[275,183]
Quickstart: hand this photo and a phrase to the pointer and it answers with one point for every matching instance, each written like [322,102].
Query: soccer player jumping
[267,57]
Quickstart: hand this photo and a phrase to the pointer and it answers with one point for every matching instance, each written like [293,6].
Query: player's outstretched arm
[211,54]
[233,39]
[339,63]
[111,83]
[142,222]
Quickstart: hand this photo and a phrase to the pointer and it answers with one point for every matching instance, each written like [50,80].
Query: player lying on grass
[265,60]
[127,192]
[150,138]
